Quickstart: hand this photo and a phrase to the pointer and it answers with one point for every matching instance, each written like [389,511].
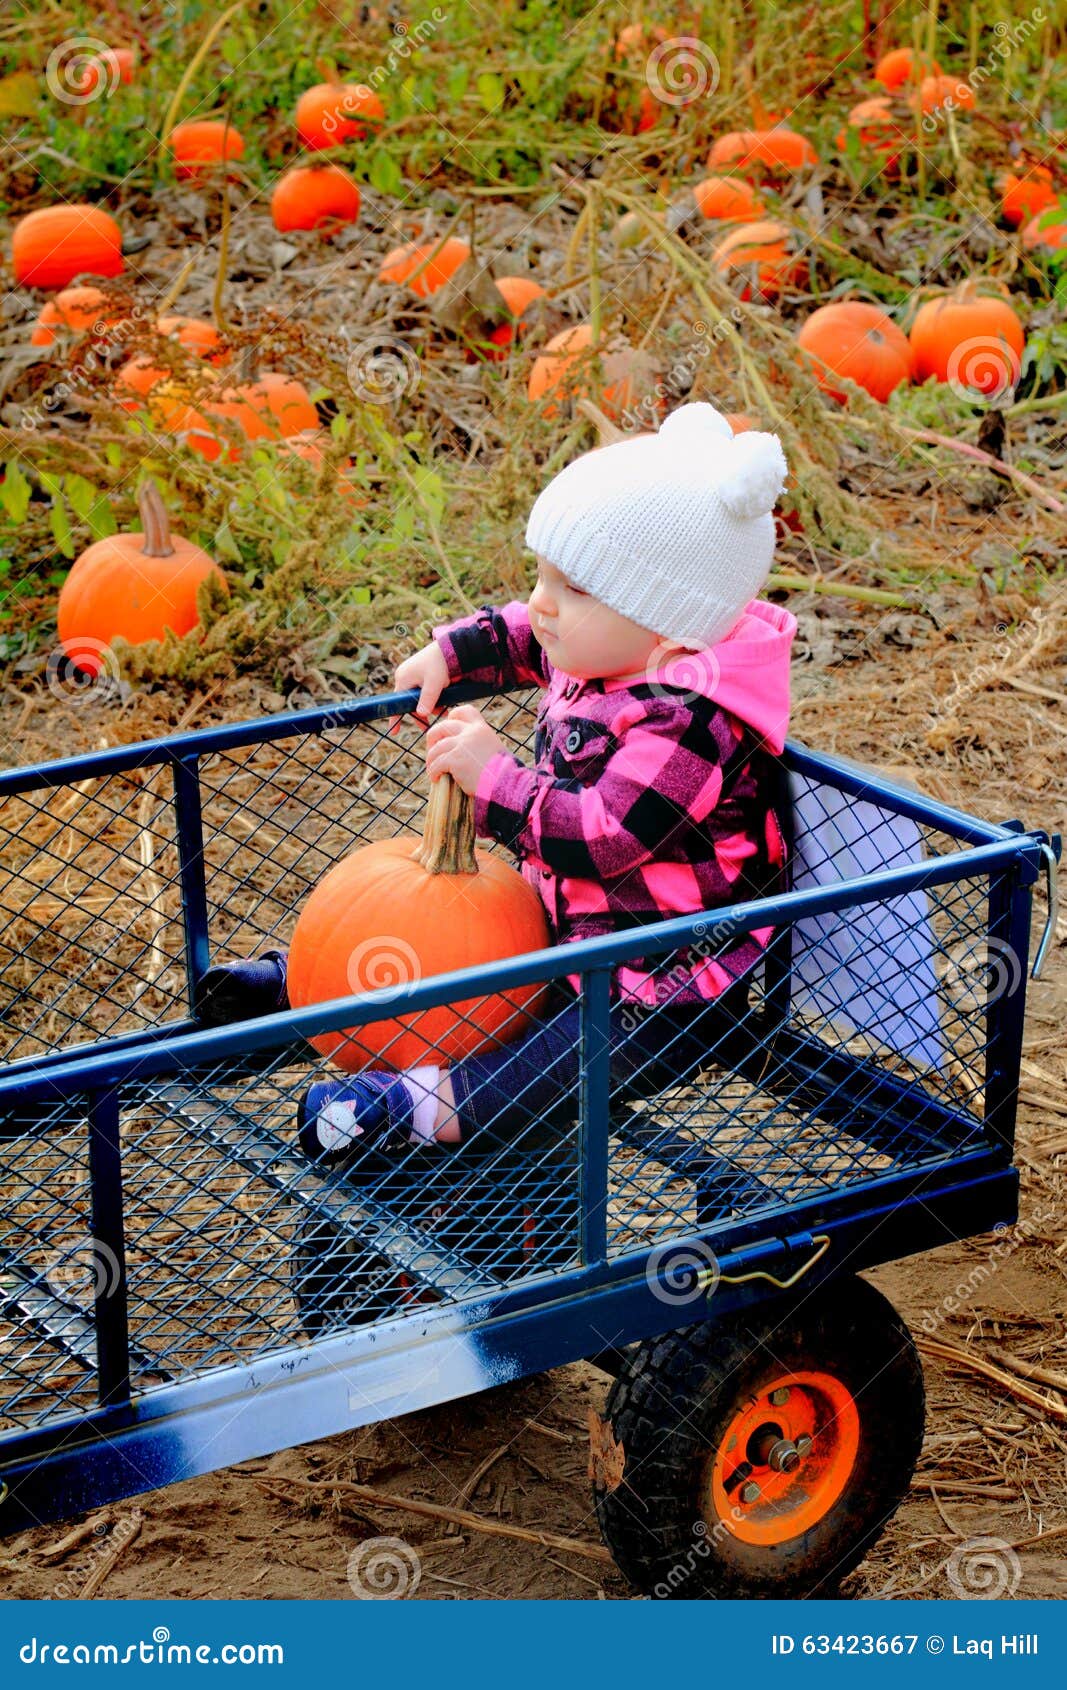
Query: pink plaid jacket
[648,799]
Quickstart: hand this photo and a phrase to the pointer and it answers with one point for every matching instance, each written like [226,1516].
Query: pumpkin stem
[154,521]
[448,831]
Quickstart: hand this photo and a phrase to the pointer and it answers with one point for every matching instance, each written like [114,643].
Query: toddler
[666,692]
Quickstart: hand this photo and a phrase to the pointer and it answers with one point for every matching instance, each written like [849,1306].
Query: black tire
[672,1523]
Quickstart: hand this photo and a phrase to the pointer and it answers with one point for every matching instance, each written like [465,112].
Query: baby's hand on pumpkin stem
[461,744]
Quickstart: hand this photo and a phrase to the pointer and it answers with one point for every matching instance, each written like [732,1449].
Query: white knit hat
[673,530]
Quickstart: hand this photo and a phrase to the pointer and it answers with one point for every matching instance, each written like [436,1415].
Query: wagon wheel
[761,1457]
[336,1282]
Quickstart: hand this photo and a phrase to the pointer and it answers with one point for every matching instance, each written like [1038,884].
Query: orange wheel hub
[784,1459]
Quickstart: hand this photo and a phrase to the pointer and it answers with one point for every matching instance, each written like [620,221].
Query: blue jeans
[503,1095]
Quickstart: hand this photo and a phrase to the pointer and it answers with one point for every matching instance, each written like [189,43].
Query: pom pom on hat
[748,470]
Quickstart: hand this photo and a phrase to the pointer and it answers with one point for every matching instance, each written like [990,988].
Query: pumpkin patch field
[302,306]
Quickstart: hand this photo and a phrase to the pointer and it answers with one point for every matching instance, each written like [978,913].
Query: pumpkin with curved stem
[775,151]
[75,311]
[133,587]
[412,264]
[727,199]
[903,65]
[858,341]
[765,249]
[1026,196]
[200,146]
[970,339]
[402,910]
[315,196]
[332,113]
[51,246]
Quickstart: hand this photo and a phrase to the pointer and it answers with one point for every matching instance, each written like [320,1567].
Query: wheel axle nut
[750,1493]
[803,1444]
[783,1457]
[780,1397]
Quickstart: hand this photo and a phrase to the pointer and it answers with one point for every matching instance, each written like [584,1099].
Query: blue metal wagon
[181,1289]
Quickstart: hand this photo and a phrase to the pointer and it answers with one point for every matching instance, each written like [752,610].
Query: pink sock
[426,1101]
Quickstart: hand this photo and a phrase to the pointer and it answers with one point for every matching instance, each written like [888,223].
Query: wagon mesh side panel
[91,934]
[766,1113]
[278,815]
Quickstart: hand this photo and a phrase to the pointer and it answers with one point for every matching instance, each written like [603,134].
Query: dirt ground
[876,685]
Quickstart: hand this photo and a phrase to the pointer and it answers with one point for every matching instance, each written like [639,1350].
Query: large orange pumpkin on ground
[422,273]
[402,910]
[200,146]
[332,113]
[728,199]
[132,586]
[51,246]
[767,250]
[776,151]
[316,196]
[968,339]
[852,339]
[1026,196]
[903,65]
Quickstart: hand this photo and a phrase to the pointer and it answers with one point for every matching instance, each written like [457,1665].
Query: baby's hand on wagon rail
[461,744]
[427,670]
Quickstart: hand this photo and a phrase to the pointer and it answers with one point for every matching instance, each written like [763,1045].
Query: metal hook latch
[1051,888]
[819,1238]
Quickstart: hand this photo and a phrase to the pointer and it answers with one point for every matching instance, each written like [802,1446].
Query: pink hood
[746,673]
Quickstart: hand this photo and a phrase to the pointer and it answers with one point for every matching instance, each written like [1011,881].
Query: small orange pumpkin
[332,113]
[879,129]
[1026,196]
[315,196]
[637,40]
[519,293]
[400,265]
[946,92]
[117,65]
[400,911]
[51,246]
[858,341]
[75,310]
[777,151]
[132,586]
[200,146]
[969,339]
[767,250]
[1052,238]
[139,375]
[727,199]
[903,65]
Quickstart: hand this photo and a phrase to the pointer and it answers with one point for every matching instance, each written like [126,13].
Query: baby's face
[585,638]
